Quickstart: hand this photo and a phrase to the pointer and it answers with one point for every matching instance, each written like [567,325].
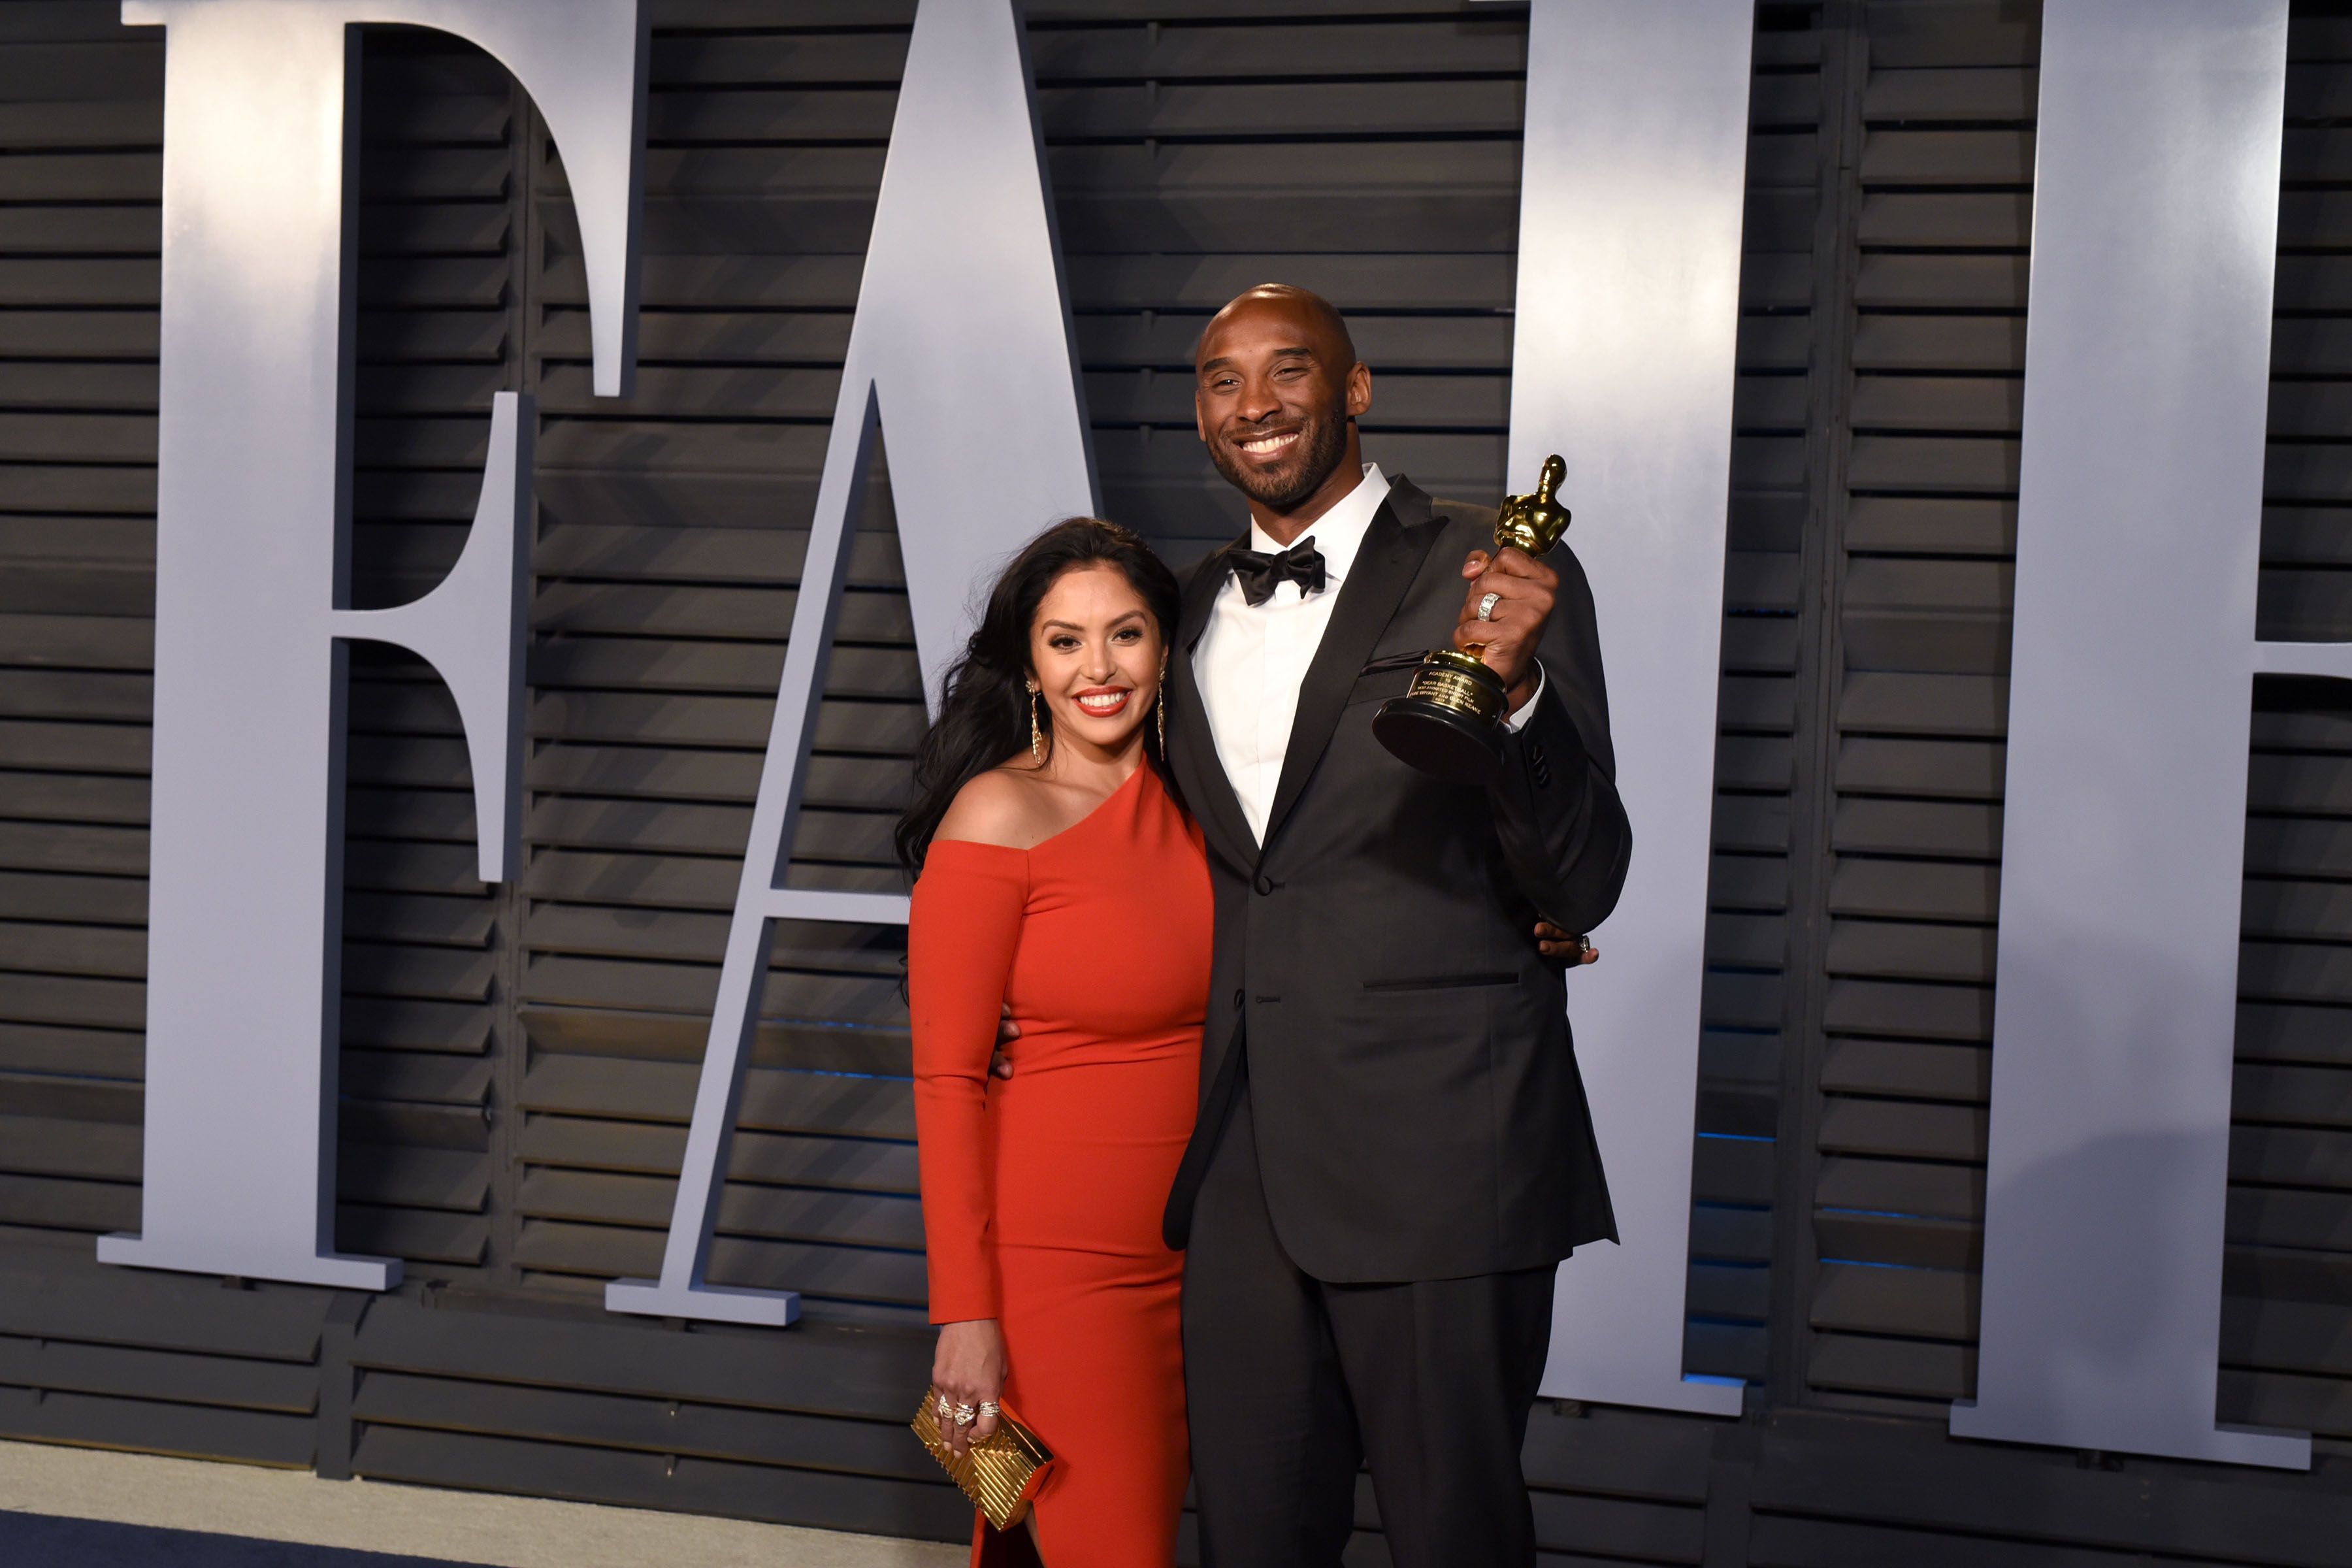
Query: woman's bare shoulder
[1008,807]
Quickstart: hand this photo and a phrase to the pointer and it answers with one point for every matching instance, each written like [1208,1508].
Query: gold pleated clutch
[1000,1475]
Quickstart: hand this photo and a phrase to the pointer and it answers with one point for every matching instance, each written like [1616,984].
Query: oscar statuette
[1450,721]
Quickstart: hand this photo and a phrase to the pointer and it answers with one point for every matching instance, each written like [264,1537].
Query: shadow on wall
[2100,1245]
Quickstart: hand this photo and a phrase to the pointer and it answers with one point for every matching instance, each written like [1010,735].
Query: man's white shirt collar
[1339,533]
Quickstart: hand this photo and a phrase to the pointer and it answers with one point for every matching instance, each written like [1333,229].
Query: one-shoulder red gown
[1043,1193]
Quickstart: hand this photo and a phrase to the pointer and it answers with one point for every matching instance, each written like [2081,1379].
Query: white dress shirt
[1252,659]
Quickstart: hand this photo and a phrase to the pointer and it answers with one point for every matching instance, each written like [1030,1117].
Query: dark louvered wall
[1894,1143]
[519,1062]
[2286,1352]
[77,433]
[1766,704]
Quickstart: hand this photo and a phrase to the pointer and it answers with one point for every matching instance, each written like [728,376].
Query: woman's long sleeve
[962,932]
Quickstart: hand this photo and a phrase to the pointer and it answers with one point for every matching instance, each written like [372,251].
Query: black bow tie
[1260,573]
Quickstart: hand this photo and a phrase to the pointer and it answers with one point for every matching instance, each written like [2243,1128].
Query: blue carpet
[39,1540]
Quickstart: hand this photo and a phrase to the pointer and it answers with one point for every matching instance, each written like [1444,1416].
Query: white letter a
[962,346]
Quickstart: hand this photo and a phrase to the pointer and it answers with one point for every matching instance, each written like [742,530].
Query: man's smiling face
[1277,384]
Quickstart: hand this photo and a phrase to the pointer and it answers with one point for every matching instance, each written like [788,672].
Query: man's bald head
[1312,314]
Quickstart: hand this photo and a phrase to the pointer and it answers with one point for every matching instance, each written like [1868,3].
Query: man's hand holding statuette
[1522,591]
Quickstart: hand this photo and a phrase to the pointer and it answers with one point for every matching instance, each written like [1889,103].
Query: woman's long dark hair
[984,709]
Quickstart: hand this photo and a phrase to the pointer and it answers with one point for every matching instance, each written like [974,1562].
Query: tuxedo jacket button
[1264,885]
[1237,1000]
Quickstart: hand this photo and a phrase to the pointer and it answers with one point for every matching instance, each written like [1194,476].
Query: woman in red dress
[1060,882]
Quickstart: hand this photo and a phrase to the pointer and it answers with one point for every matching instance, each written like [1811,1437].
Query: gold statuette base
[1449,723]
[1451,720]
[1000,1474]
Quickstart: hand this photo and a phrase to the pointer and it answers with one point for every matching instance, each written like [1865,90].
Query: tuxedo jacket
[1376,981]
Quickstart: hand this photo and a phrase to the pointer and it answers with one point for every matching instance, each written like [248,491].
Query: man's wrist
[1522,696]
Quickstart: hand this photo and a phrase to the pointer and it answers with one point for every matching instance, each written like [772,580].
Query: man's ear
[1359,390]
[1200,420]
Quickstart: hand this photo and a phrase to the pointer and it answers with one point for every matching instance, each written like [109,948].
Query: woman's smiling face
[1095,651]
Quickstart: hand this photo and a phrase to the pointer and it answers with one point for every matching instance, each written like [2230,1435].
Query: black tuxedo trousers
[1393,1150]
[1292,1383]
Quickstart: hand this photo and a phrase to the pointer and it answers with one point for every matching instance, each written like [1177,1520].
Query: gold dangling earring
[1160,707]
[1036,736]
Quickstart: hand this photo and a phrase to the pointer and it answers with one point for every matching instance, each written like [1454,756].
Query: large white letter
[2148,366]
[245,891]
[1622,360]
[961,349]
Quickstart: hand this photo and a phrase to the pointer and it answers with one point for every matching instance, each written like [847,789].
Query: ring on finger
[987,1408]
[965,1414]
[1486,605]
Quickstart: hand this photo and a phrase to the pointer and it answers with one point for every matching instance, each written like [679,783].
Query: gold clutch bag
[1000,1475]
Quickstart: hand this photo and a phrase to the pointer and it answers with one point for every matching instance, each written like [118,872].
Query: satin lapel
[1206,788]
[1394,546]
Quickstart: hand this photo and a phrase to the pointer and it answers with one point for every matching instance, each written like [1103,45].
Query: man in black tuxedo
[1394,1150]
